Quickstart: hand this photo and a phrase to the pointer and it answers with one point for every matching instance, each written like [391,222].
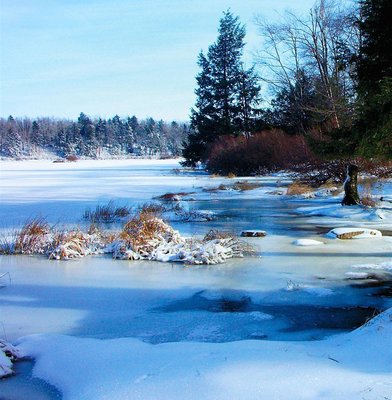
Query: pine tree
[292,107]
[226,93]
[89,143]
[374,72]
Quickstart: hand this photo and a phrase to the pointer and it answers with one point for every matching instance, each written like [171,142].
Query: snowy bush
[8,354]
[143,237]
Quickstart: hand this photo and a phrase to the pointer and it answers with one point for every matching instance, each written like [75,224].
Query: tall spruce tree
[227,94]
[374,72]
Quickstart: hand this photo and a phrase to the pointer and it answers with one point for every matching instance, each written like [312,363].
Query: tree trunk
[351,197]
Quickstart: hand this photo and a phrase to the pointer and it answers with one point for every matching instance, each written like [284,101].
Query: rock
[253,233]
[169,197]
[353,233]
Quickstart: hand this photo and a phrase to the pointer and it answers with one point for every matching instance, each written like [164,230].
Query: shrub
[321,172]
[265,151]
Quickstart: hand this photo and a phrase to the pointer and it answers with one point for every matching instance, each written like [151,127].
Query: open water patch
[28,387]
[254,320]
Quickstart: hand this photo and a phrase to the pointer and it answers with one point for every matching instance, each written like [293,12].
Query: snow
[387,266]
[8,353]
[350,366]
[330,212]
[307,242]
[100,328]
[353,233]
[5,365]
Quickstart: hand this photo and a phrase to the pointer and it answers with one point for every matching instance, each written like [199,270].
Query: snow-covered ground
[100,328]
[350,367]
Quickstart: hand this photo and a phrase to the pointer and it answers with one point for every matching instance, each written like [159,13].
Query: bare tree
[318,45]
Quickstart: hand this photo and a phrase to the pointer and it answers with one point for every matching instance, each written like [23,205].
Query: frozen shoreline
[345,367]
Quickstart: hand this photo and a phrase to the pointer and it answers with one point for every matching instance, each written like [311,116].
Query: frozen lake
[283,292]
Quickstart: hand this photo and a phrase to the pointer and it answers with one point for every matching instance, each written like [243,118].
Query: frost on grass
[150,238]
[8,354]
[144,237]
[33,238]
[76,244]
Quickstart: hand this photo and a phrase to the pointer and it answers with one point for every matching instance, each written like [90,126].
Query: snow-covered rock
[358,275]
[353,233]
[253,233]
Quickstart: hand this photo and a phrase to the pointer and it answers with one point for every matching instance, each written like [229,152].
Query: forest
[330,75]
[90,138]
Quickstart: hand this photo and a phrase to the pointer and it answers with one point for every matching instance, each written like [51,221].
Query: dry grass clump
[231,175]
[144,231]
[213,234]
[368,201]
[298,188]
[106,213]
[366,188]
[143,237]
[239,185]
[66,245]
[245,185]
[76,244]
[32,238]
[153,209]
[7,243]
[172,196]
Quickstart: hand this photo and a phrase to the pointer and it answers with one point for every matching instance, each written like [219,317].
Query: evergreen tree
[37,137]
[292,107]
[12,146]
[88,144]
[226,93]
[374,72]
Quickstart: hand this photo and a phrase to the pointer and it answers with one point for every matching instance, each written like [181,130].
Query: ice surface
[137,329]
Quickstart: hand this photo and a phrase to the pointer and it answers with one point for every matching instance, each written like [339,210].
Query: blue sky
[125,57]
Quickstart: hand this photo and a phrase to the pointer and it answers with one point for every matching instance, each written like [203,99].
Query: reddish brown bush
[265,151]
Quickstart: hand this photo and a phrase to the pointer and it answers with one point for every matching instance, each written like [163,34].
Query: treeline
[92,138]
[329,79]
